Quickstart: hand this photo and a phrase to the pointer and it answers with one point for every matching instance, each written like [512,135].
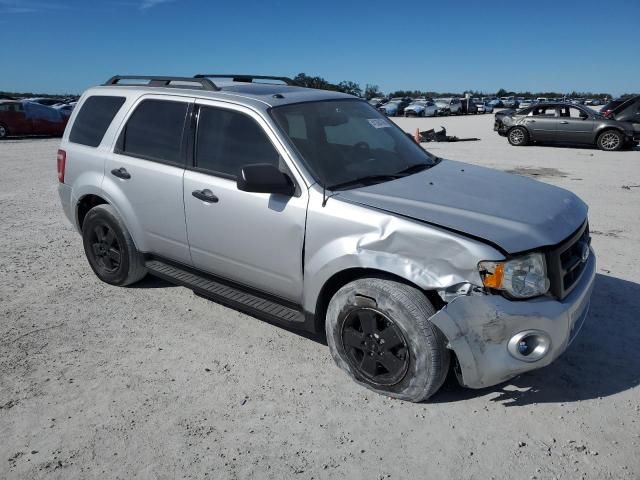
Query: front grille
[565,263]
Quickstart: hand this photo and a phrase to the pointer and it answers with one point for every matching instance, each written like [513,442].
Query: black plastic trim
[161,81]
[246,78]
[226,292]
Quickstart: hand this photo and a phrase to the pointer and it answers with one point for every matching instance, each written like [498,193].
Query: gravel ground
[155,382]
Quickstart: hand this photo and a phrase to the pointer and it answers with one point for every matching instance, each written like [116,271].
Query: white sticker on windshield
[378,122]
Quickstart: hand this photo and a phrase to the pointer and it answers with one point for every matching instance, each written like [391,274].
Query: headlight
[521,277]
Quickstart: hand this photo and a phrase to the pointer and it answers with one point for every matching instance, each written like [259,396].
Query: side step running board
[225,294]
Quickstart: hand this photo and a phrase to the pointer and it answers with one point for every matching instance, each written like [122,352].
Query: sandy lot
[154,382]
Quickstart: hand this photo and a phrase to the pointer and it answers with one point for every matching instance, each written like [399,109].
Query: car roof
[258,95]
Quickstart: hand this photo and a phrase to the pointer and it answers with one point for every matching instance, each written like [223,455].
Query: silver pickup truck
[311,209]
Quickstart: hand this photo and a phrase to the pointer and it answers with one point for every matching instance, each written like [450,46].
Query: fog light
[529,346]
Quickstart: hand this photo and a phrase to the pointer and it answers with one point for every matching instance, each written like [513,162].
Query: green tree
[351,88]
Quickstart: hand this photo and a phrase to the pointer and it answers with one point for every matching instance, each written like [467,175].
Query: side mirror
[584,116]
[264,178]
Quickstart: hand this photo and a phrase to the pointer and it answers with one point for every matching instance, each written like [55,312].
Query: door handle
[121,173]
[564,122]
[205,195]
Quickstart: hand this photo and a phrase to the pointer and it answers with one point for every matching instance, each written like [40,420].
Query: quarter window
[94,118]
[154,131]
[228,140]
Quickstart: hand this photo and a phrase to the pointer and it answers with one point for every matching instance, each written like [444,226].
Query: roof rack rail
[246,78]
[159,81]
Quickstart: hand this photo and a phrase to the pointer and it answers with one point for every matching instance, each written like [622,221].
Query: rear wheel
[379,333]
[518,136]
[4,131]
[110,249]
[610,140]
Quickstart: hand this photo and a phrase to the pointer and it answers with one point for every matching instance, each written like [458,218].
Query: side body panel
[152,199]
[341,236]
[255,239]
[541,128]
[576,130]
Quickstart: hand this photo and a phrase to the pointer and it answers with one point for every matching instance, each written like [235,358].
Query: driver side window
[228,140]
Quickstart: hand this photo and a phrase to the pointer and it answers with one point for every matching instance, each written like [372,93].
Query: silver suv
[311,209]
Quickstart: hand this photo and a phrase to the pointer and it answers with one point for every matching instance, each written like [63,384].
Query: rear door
[255,239]
[542,123]
[575,125]
[145,173]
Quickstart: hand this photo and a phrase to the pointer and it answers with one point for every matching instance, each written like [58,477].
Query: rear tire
[518,136]
[610,141]
[379,333]
[109,247]
[4,131]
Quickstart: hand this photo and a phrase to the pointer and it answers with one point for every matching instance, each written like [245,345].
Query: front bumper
[479,328]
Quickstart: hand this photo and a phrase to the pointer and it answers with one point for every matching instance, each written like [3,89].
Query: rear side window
[229,140]
[93,119]
[154,131]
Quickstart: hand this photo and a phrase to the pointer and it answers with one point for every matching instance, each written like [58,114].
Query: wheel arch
[605,128]
[86,203]
[343,277]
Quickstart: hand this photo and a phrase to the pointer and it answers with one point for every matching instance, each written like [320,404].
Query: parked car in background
[49,102]
[65,109]
[628,111]
[22,118]
[395,107]
[492,104]
[509,102]
[525,103]
[449,106]
[566,123]
[468,106]
[421,108]
[608,109]
[377,101]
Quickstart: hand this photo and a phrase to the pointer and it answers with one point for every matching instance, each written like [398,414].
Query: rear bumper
[479,328]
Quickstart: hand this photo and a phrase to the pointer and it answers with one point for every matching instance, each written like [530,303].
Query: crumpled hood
[510,211]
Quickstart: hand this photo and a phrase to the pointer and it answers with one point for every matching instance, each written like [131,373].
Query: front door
[255,239]
[575,126]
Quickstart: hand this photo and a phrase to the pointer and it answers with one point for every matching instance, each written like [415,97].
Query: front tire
[109,247]
[379,333]
[610,141]
[518,136]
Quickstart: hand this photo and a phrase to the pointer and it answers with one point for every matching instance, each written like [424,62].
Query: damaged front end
[496,338]
[497,328]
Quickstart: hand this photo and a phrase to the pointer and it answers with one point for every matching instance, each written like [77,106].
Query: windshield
[342,141]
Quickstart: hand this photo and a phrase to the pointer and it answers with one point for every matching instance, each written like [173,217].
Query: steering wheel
[363,147]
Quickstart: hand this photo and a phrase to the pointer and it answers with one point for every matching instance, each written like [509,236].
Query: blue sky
[68,45]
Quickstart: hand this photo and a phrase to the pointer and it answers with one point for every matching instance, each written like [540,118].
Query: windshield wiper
[367,179]
[415,168]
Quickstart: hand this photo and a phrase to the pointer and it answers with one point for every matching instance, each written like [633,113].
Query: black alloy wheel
[105,248]
[375,346]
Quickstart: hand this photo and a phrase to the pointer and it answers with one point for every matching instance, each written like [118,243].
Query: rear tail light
[62,160]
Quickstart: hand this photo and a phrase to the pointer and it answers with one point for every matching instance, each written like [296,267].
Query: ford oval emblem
[585,252]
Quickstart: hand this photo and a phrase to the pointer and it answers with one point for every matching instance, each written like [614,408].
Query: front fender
[343,236]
